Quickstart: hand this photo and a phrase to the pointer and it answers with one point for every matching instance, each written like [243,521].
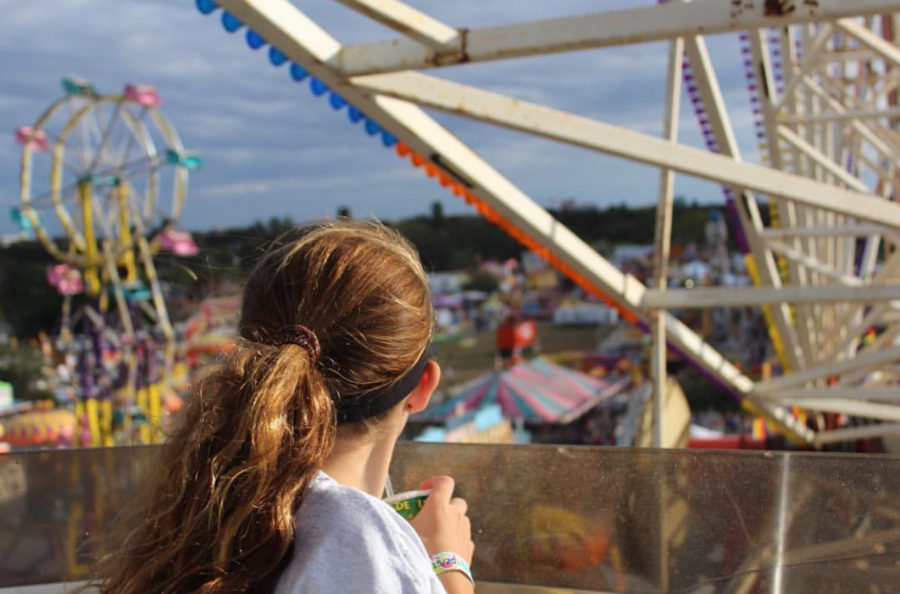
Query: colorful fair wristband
[449,561]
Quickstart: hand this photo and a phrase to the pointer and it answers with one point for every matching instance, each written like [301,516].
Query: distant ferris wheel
[99,164]
[103,182]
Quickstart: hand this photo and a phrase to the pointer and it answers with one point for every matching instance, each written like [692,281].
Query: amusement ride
[817,221]
[103,182]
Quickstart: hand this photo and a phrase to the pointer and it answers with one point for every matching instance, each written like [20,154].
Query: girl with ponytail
[271,481]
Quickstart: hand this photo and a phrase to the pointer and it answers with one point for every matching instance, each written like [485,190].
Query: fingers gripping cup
[408,503]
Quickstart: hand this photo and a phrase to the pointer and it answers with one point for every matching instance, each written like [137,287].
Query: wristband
[450,561]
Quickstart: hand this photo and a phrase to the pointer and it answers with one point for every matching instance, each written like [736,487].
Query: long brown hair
[219,514]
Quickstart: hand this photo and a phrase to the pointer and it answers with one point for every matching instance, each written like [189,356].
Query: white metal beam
[857,408]
[411,22]
[879,45]
[856,114]
[817,156]
[855,433]
[572,129]
[813,263]
[707,297]
[836,231]
[662,237]
[878,393]
[594,30]
[810,60]
[828,369]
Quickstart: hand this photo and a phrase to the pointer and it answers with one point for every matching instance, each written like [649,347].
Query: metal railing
[580,518]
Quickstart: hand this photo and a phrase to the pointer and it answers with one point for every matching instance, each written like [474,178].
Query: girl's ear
[421,395]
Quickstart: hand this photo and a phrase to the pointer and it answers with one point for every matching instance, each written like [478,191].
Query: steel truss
[825,82]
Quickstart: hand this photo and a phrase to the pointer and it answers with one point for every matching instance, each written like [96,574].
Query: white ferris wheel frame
[379,79]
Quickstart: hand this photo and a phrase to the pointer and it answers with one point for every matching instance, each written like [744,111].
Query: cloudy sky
[271,148]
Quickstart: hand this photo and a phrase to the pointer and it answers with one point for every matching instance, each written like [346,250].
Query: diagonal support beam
[829,369]
[585,132]
[879,45]
[878,393]
[817,156]
[855,433]
[857,408]
[782,330]
[411,22]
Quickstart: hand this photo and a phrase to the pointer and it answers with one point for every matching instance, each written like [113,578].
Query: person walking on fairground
[270,482]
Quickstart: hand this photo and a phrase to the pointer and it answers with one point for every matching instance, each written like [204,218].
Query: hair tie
[301,336]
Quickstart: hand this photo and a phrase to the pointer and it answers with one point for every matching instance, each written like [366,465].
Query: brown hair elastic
[303,337]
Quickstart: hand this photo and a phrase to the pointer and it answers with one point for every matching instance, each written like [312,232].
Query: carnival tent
[535,391]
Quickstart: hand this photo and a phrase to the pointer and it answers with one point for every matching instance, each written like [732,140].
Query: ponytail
[220,512]
[333,324]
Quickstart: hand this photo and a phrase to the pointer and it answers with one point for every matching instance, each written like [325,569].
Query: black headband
[352,409]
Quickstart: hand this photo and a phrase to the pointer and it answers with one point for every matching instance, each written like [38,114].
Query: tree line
[29,305]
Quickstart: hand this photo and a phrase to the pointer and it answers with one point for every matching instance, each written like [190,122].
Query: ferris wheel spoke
[46,198]
[94,127]
[130,143]
[136,198]
[132,168]
[142,166]
[105,216]
[69,149]
[104,139]
[104,154]
[83,151]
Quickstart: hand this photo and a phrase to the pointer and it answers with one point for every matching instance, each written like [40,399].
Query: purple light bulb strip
[709,137]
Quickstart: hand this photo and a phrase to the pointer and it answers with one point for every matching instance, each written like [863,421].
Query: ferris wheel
[99,164]
[817,222]
[103,182]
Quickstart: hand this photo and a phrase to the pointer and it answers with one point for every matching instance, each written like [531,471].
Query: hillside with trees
[29,305]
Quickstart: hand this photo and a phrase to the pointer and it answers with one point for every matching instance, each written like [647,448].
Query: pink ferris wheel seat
[178,242]
[66,279]
[144,95]
[37,139]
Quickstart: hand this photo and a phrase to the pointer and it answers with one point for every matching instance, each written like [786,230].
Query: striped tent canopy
[535,391]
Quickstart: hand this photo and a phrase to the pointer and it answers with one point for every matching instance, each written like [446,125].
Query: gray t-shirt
[348,541]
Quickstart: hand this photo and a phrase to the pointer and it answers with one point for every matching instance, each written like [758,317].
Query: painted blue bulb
[336,101]
[206,6]
[388,139]
[231,22]
[276,56]
[298,72]
[317,87]
[354,114]
[372,127]
[254,39]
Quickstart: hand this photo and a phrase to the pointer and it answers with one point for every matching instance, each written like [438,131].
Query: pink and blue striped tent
[535,391]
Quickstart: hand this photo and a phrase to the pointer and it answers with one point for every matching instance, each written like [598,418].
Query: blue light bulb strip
[298,73]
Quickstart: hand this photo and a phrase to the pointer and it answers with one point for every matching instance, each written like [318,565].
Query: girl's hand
[443,524]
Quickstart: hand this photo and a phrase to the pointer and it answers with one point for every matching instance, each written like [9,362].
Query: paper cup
[408,503]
